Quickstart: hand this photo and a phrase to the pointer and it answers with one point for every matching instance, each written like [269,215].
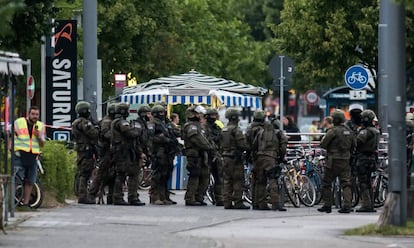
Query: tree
[322,38]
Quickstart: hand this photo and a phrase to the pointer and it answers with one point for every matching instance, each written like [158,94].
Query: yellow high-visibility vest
[22,139]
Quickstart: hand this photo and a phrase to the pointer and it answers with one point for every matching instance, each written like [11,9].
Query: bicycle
[299,188]
[36,196]
[357,77]
[145,175]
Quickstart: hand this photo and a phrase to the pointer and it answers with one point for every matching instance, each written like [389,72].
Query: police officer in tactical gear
[338,142]
[233,144]
[251,133]
[366,163]
[86,137]
[197,147]
[162,157]
[215,160]
[269,146]
[106,170]
[125,158]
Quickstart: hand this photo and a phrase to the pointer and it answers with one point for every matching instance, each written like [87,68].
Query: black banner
[61,79]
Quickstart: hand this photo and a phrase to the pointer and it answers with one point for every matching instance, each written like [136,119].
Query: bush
[59,164]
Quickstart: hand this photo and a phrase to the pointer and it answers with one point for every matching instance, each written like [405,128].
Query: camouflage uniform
[251,132]
[86,137]
[215,160]
[233,144]
[162,157]
[339,142]
[197,147]
[124,153]
[270,146]
[106,171]
[367,146]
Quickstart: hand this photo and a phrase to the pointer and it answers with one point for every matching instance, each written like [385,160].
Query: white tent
[194,88]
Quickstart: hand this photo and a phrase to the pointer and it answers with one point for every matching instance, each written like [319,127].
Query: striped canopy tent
[194,88]
[212,97]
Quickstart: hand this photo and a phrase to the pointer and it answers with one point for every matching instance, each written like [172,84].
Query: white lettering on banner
[62,93]
[61,107]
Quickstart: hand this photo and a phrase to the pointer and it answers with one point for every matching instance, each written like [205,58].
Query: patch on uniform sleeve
[193,127]
[125,123]
[346,132]
[363,132]
[137,125]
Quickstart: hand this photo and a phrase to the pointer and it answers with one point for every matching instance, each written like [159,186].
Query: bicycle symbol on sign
[357,77]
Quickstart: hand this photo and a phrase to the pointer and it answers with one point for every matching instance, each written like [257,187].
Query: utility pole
[392,97]
[90,53]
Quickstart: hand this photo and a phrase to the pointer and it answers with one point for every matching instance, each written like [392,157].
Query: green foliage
[389,230]
[60,167]
[321,38]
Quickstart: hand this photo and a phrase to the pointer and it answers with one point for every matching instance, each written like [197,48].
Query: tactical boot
[158,202]
[86,200]
[192,203]
[344,210]
[171,202]
[325,209]
[365,210]
[277,207]
[241,206]
[121,203]
[262,207]
[202,203]
[137,203]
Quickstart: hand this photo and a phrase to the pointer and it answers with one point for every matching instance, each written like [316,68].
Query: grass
[390,230]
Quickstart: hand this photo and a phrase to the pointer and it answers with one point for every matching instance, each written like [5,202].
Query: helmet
[211,111]
[156,110]
[232,113]
[367,116]
[259,115]
[162,103]
[200,109]
[190,112]
[122,108]
[111,108]
[82,107]
[409,117]
[338,116]
[144,109]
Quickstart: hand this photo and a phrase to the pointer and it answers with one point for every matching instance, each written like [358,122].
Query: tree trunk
[389,206]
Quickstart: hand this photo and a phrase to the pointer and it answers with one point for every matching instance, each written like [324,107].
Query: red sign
[311,97]
[30,87]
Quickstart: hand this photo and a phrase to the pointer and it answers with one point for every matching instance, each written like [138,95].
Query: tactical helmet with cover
[259,115]
[232,114]
[144,109]
[367,116]
[122,109]
[211,115]
[156,110]
[111,108]
[82,107]
[338,116]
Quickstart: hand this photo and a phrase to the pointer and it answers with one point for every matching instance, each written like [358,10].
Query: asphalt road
[180,226]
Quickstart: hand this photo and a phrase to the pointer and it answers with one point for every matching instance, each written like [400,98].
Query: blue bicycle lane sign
[356,77]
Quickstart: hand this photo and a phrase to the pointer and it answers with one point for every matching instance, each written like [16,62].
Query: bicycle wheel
[307,192]
[36,197]
[210,190]
[291,191]
[380,192]
[145,180]
[316,178]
